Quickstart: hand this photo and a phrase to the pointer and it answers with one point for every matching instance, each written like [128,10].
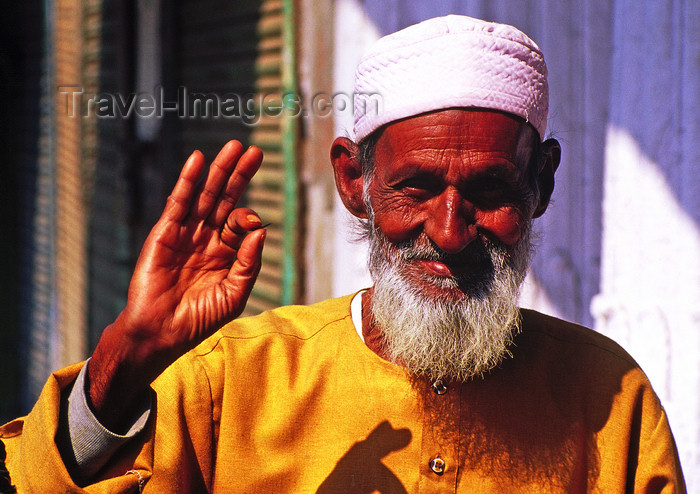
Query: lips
[438,268]
[462,269]
[425,261]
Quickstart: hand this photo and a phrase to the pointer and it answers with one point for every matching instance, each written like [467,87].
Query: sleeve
[90,444]
[173,453]
[658,466]
[33,459]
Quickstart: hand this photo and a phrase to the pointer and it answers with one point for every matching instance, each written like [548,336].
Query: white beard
[463,331]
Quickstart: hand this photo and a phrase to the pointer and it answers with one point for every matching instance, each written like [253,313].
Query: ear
[348,175]
[551,156]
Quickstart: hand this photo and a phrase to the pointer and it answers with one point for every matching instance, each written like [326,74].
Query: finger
[249,258]
[246,268]
[237,225]
[219,173]
[246,168]
[180,199]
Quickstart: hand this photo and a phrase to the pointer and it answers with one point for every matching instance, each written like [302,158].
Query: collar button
[437,465]
[439,387]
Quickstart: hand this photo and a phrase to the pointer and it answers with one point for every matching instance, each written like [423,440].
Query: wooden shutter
[27,269]
[106,151]
[54,328]
[246,48]
[72,169]
[275,194]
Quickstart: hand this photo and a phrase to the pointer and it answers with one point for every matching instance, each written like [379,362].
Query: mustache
[422,248]
[477,263]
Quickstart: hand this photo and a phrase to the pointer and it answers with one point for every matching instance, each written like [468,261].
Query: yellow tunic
[293,401]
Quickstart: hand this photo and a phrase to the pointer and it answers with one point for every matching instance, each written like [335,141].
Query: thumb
[246,268]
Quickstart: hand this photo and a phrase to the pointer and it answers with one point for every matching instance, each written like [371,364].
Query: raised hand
[195,273]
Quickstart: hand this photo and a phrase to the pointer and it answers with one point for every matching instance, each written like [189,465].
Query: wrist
[117,378]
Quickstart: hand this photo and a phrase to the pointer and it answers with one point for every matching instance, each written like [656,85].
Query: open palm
[197,266]
[195,273]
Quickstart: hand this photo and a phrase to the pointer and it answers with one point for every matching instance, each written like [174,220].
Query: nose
[451,225]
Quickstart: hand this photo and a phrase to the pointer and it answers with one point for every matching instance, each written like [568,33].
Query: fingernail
[253,219]
[261,227]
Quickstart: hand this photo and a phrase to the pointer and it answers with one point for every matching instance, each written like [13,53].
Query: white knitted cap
[452,61]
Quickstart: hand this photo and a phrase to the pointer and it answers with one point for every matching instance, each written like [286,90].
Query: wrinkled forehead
[463,130]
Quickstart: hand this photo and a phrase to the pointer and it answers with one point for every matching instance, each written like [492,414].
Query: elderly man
[432,380]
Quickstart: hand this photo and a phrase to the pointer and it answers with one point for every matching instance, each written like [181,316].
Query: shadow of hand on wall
[361,470]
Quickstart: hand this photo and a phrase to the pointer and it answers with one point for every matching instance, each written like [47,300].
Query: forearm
[119,375]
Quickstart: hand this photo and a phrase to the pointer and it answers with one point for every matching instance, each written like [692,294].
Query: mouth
[467,277]
[469,272]
[441,269]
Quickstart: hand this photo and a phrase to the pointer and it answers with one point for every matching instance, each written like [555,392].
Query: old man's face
[450,205]
[453,178]
[446,201]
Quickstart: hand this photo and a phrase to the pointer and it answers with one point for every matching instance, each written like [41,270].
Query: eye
[493,185]
[491,192]
[419,187]
[490,187]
